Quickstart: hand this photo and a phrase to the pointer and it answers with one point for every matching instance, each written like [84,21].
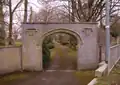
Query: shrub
[2,42]
[18,43]
[46,55]
[50,45]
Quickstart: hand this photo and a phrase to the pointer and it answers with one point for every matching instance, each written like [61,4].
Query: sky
[36,6]
[32,3]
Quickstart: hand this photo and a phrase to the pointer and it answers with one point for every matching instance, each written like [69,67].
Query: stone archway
[70,66]
[58,30]
[34,33]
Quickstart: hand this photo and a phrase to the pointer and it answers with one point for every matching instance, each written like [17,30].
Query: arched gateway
[34,34]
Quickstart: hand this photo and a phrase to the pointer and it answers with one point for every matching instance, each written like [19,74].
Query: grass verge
[113,77]
[85,76]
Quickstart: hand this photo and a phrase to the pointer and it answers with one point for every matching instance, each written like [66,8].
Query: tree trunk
[10,31]
[30,17]
[10,23]
[73,10]
[2,31]
[25,11]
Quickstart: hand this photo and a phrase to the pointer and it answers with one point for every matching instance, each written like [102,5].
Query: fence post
[118,51]
[100,53]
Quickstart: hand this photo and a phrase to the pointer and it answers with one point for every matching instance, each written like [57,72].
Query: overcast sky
[32,3]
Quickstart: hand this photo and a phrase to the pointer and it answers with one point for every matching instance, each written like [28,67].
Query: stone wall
[10,59]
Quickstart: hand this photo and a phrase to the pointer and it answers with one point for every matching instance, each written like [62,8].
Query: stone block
[93,82]
[101,70]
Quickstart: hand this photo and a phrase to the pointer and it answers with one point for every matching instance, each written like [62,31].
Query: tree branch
[17,6]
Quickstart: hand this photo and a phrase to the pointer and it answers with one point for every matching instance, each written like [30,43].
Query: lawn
[85,76]
[18,43]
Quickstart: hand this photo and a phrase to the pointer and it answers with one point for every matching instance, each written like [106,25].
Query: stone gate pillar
[31,50]
[88,51]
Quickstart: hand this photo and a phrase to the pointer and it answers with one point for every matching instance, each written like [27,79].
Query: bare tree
[51,12]
[46,13]
[87,10]
[11,13]
[91,10]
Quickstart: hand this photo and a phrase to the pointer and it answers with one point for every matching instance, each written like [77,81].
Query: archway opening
[59,51]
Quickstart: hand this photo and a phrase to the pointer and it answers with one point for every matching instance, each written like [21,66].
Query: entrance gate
[34,34]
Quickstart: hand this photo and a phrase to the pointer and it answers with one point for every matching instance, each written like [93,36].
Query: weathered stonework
[86,34]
